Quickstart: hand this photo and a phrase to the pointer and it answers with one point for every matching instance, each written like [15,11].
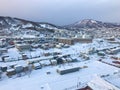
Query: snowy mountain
[89,23]
[17,24]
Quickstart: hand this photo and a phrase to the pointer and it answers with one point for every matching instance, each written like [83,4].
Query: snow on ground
[39,78]
[73,50]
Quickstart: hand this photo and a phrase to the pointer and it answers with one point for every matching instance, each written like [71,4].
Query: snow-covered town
[59,44]
[59,64]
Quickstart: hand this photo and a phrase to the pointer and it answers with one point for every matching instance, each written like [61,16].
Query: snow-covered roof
[67,67]
[100,84]
[36,64]
[45,62]
[9,70]
[26,36]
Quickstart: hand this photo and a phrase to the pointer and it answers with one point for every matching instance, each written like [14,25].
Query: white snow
[39,80]
[93,21]
[47,26]
[27,25]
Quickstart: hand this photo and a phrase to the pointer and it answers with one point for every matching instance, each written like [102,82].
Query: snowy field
[39,80]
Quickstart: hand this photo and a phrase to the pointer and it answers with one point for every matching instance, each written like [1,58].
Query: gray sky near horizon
[62,12]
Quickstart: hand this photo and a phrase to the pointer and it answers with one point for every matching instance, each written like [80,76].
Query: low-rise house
[113,51]
[59,60]
[84,56]
[64,60]
[69,59]
[32,61]
[24,56]
[12,65]
[91,51]
[3,43]
[9,59]
[53,62]
[3,50]
[45,62]
[10,72]
[18,68]
[3,68]
[37,66]
[25,68]
[101,53]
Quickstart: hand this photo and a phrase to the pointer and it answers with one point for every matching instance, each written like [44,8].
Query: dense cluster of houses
[15,69]
[37,63]
[105,32]
[54,58]
[28,43]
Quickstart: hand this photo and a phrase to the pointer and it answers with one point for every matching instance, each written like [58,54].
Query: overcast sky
[61,12]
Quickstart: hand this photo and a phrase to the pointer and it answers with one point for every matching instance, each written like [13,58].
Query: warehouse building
[67,69]
[76,39]
[22,47]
